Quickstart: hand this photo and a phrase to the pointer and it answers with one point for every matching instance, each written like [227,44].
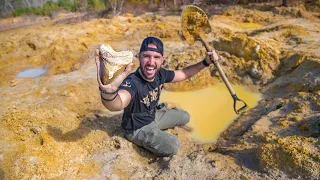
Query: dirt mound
[303,76]
[248,15]
[314,6]
[180,60]
[154,25]
[249,56]
[295,11]
[296,155]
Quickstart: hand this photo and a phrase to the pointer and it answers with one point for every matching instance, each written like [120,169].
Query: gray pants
[151,136]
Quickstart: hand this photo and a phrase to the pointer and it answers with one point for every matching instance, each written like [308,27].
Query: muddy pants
[151,136]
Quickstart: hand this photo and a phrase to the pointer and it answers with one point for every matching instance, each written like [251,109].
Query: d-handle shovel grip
[235,99]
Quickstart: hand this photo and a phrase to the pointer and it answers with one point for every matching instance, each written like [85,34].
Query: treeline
[118,6]
[115,6]
[68,5]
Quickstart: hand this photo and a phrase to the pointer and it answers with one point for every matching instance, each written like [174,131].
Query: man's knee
[176,146]
[172,148]
[185,117]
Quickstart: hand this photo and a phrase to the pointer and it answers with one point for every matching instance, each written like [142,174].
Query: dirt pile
[296,11]
[295,155]
[58,121]
[256,16]
[249,56]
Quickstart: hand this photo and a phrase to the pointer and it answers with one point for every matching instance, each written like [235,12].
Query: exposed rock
[310,127]
[290,62]
[306,78]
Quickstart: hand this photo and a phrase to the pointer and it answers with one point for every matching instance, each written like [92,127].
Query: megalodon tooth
[113,62]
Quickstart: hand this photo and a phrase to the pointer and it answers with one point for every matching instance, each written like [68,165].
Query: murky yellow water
[211,109]
[249,25]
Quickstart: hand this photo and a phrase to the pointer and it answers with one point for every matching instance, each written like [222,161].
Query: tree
[164,3]
[284,3]
[197,2]
[116,6]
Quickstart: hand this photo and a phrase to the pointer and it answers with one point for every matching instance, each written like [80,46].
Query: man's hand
[113,86]
[111,98]
[212,57]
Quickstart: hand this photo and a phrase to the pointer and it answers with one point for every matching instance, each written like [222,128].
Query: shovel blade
[194,23]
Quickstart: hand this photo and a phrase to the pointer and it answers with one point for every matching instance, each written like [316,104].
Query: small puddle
[249,25]
[31,73]
[211,109]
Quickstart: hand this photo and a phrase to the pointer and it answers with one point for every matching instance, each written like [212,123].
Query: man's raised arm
[111,98]
[187,72]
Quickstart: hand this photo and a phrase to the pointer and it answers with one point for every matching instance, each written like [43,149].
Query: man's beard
[146,76]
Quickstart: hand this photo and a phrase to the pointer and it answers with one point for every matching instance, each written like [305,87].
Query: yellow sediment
[249,25]
[211,109]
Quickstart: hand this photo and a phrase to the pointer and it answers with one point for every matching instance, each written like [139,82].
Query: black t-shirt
[144,98]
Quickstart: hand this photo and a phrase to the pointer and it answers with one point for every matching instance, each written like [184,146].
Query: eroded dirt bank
[54,126]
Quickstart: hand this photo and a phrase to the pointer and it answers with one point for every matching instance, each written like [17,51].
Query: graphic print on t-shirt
[144,98]
[126,84]
[152,96]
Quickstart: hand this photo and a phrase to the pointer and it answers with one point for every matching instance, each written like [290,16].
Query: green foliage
[67,4]
[47,8]
[96,5]
[36,11]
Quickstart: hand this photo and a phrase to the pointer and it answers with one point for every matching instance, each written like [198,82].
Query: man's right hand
[212,57]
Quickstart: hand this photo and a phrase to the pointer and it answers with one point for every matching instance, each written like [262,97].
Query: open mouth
[150,70]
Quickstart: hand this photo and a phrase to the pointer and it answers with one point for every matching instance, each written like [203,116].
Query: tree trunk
[116,6]
[120,6]
[164,3]
[197,2]
[284,3]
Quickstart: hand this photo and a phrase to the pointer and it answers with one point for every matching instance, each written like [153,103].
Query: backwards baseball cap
[152,40]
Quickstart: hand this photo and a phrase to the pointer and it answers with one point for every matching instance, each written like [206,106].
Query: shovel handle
[225,80]
[216,63]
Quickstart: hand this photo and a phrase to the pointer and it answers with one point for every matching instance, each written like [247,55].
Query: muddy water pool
[211,109]
[31,73]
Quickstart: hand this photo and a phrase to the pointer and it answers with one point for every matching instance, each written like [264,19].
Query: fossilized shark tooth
[114,62]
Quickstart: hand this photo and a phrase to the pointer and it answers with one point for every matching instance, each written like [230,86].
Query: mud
[57,120]
[211,109]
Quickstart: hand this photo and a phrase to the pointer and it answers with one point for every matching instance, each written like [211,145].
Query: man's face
[150,62]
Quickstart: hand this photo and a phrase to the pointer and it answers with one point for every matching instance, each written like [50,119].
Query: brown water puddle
[211,109]
[249,25]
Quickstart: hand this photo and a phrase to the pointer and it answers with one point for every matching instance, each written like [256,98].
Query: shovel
[194,24]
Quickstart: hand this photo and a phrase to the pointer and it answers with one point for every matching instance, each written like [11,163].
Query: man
[138,94]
